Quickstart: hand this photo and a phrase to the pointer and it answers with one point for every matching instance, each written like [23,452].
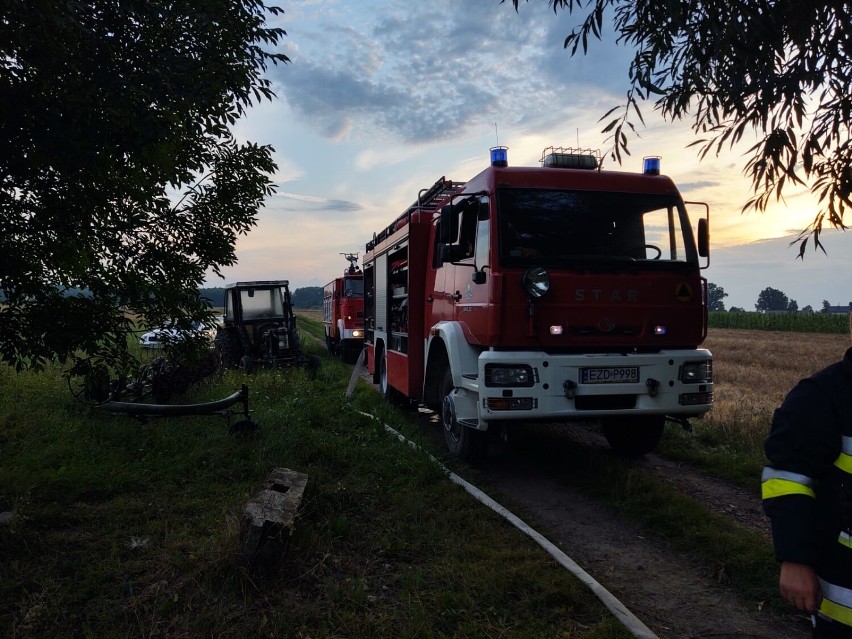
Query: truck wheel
[387,392]
[228,345]
[633,436]
[462,441]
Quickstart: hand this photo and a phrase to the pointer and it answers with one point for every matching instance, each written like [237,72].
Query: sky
[383,97]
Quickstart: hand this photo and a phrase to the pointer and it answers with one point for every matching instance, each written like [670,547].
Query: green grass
[733,454]
[128,529]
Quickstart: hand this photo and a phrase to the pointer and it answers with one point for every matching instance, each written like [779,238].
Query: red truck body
[343,312]
[543,294]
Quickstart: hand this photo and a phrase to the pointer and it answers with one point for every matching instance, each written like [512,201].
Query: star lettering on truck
[600,295]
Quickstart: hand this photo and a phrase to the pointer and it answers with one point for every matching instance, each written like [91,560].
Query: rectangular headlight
[503,375]
[697,372]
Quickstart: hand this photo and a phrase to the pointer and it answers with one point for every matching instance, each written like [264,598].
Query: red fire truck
[550,293]
[343,311]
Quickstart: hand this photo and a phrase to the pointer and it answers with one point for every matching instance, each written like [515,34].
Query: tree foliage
[770,299]
[715,295]
[119,174]
[778,71]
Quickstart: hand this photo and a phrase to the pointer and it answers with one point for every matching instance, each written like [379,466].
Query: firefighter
[807,494]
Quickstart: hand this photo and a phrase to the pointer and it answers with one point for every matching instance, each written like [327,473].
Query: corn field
[793,322]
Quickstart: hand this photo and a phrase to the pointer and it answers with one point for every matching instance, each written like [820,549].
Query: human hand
[800,586]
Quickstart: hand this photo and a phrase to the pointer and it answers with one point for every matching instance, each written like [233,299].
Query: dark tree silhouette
[119,175]
[715,295]
[770,299]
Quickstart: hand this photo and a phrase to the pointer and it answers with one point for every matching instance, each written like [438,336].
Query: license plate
[610,375]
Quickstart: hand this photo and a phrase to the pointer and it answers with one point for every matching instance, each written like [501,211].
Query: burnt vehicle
[259,328]
[164,336]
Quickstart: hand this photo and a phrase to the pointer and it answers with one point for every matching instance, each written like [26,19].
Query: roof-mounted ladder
[428,201]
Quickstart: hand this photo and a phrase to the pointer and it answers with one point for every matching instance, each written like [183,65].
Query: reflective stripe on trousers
[844,460]
[780,483]
[836,602]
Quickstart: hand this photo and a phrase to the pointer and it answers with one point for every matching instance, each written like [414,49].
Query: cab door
[470,272]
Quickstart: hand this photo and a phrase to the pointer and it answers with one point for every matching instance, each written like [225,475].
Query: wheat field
[754,370]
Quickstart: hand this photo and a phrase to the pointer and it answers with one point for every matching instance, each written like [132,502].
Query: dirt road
[670,592]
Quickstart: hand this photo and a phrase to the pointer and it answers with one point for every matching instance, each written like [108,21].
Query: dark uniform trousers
[807,488]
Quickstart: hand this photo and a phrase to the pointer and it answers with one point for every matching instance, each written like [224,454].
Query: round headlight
[536,281]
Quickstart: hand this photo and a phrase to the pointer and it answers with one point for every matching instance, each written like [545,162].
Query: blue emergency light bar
[499,157]
[651,165]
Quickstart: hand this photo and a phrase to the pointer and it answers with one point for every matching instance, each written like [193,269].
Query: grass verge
[125,529]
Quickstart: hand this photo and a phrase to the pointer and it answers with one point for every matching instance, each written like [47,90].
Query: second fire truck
[343,311]
[549,293]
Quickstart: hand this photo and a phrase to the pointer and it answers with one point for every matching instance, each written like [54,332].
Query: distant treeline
[307,297]
[215,295]
[793,322]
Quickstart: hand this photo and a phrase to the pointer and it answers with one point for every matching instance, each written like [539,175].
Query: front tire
[385,389]
[227,342]
[634,436]
[462,441]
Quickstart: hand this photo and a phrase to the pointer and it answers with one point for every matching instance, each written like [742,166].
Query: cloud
[284,202]
[426,73]
[695,186]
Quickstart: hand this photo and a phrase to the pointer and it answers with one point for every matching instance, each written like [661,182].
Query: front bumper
[555,390]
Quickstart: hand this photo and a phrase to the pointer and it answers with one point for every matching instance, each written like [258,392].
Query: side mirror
[703,237]
[441,254]
[449,225]
[478,277]
[483,212]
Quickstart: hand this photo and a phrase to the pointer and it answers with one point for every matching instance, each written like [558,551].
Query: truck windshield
[261,303]
[353,288]
[550,227]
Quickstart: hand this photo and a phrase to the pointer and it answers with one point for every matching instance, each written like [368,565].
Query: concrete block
[270,518]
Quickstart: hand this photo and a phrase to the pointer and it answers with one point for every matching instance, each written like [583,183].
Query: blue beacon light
[651,165]
[499,157]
